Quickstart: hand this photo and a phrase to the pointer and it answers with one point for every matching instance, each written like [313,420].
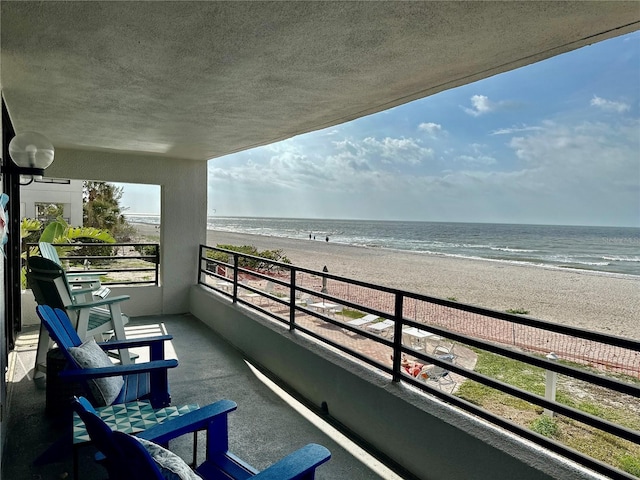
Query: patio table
[324,306]
[418,337]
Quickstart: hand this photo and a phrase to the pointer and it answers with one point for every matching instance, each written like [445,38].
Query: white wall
[70,195]
[183,209]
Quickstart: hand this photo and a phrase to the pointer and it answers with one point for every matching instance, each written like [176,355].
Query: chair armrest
[98,303]
[187,423]
[76,280]
[89,373]
[296,464]
[84,273]
[80,291]
[133,342]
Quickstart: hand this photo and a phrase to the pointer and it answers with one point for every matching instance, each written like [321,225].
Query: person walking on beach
[327,239]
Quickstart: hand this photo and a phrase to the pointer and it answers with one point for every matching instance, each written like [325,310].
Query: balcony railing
[125,266]
[311,301]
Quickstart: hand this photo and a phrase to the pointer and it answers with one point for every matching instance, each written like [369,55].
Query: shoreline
[591,300]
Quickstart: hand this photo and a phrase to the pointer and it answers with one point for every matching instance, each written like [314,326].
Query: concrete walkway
[267,425]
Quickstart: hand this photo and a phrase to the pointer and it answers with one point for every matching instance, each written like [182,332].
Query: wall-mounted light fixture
[32,153]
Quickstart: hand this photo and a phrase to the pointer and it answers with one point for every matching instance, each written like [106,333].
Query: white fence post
[550,384]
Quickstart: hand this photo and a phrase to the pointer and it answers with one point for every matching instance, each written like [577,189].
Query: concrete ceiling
[198,80]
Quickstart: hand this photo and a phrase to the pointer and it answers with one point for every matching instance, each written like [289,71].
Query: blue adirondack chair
[126,457]
[143,381]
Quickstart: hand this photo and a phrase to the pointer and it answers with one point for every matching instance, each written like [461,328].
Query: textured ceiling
[198,80]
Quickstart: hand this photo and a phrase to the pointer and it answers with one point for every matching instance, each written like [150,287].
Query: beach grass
[587,398]
[347,312]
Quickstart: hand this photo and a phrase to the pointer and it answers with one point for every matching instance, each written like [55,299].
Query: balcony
[229,340]
[267,425]
[149,139]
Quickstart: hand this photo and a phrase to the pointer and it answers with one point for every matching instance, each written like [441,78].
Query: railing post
[236,262]
[292,299]
[157,261]
[397,336]
[550,384]
[202,263]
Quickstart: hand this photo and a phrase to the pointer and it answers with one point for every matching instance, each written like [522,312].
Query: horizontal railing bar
[527,434]
[622,387]
[611,383]
[583,417]
[112,270]
[398,348]
[110,257]
[155,259]
[602,338]
[518,319]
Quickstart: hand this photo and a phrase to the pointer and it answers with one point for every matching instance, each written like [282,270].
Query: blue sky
[557,142]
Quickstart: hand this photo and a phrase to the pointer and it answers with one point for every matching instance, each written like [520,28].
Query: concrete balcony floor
[265,427]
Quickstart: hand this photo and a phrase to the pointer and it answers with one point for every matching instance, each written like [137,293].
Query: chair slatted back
[49,283]
[138,463]
[49,251]
[102,437]
[60,329]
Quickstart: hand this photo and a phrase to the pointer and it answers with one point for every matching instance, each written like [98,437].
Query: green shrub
[347,312]
[251,263]
[146,250]
[547,426]
[630,464]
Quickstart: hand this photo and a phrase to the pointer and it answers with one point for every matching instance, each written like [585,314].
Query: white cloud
[398,150]
[481,105]
[551,172]
[432,129]
[609,105]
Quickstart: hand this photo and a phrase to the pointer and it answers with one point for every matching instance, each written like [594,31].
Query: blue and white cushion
[89,355]
[171,465]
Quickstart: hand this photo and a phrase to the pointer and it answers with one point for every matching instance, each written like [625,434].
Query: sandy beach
[601,302]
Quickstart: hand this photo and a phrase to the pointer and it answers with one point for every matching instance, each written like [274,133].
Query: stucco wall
[429,438]
[183,209]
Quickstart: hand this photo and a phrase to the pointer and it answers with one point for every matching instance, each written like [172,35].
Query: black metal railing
[606,361]
[127,264]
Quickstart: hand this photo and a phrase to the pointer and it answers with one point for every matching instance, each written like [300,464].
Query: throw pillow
[171,465]
[89,355]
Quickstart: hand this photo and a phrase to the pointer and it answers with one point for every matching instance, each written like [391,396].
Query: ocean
[614,250]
